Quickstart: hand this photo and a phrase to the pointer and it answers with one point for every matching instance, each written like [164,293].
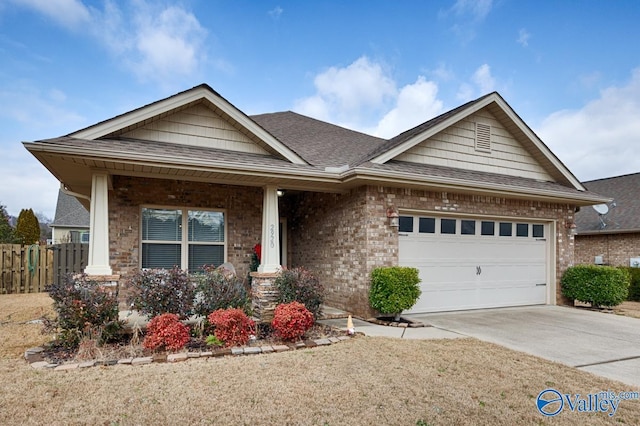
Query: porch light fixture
[280,192]
[394,217]
[572,227]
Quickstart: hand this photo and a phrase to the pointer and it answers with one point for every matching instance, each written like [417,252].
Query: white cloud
[416,104]
[363,96]
[276,12]
[68,13]
[348,95]
[482,82]
[523,37]
[601,138]
[156,43]
[169,43]
[476,9]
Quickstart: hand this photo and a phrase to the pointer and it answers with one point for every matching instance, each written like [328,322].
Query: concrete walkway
[370,329]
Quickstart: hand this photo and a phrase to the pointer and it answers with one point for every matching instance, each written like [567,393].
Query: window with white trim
[165,244]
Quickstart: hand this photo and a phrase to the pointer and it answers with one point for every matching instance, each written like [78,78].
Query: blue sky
[570,69]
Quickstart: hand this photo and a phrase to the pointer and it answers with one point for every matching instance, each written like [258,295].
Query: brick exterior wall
[342,237]
[242,206]
[615,249]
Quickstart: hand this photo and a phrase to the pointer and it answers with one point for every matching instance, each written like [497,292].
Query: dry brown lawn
[629,309]
[364,381]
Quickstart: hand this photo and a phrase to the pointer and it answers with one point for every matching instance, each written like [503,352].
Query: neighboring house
[611,237]
[473,198]
[71,223]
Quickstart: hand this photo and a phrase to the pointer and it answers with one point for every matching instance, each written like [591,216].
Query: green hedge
[598,285]
[394,289]
[634,288]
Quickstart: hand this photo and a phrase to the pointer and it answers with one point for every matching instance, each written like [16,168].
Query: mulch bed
[130,346]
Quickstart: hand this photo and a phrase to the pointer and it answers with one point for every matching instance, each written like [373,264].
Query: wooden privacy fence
[69,258]
[28,269]
[25,269]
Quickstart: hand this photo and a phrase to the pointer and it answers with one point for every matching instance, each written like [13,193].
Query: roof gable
[532,151]
[185,112]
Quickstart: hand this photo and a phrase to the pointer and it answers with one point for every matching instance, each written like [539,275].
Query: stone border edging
[34,356]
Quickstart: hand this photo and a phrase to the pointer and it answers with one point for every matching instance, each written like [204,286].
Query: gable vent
[483,137]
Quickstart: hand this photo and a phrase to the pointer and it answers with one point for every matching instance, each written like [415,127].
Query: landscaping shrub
[394,289]
[300,285]
[597,285]
[291,320]
[83,307]
[232,326]
[634,286]
[161,291]
[166,331]
[216,290]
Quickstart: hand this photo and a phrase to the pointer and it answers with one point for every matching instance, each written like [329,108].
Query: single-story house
[609,234]
[71,222]
[473,198]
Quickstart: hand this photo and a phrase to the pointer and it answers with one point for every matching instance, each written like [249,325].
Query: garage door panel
[475,271]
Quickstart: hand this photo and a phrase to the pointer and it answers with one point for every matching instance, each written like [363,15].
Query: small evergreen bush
[634,287]
[291,320]
[232,326]
[300,285]
[84,307]
[166,331]
[597,285]
[394,289]
[216,290]
[160,291]
[27,227]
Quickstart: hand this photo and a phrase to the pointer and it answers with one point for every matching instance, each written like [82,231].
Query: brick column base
[264,295]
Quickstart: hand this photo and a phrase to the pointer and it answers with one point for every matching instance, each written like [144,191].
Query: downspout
[73,194]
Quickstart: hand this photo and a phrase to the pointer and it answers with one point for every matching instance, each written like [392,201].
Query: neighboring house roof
[70,213]
[198,135]
[624,211]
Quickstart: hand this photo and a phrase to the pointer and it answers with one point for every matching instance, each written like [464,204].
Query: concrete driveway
[604,344]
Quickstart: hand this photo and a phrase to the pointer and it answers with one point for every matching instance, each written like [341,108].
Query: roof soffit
[513,123]
[200,94]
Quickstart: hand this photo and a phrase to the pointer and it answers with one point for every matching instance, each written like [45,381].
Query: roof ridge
[611,177]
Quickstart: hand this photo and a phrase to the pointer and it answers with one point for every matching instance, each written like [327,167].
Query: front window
[165,245]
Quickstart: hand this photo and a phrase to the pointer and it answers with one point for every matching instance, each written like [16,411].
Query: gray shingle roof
[319,143]
[70,213]
[624,217]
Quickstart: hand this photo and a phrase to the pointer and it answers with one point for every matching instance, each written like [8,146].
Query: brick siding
[615,249]
[342,237]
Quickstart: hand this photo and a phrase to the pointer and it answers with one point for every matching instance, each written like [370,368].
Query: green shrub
[160,291]
[634,287]
[394,289]
[84,307]
[597,285]
[216,290]
[300,285]
[291,320]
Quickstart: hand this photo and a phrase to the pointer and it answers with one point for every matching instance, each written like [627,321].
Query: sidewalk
[376,330]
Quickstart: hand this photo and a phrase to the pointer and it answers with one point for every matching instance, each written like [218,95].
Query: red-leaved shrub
[166,331]
[232,326]
[291,320]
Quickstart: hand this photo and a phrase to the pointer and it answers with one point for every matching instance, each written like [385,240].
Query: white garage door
[475,263]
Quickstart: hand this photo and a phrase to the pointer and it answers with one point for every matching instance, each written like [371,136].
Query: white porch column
[99,226]
[270,261]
